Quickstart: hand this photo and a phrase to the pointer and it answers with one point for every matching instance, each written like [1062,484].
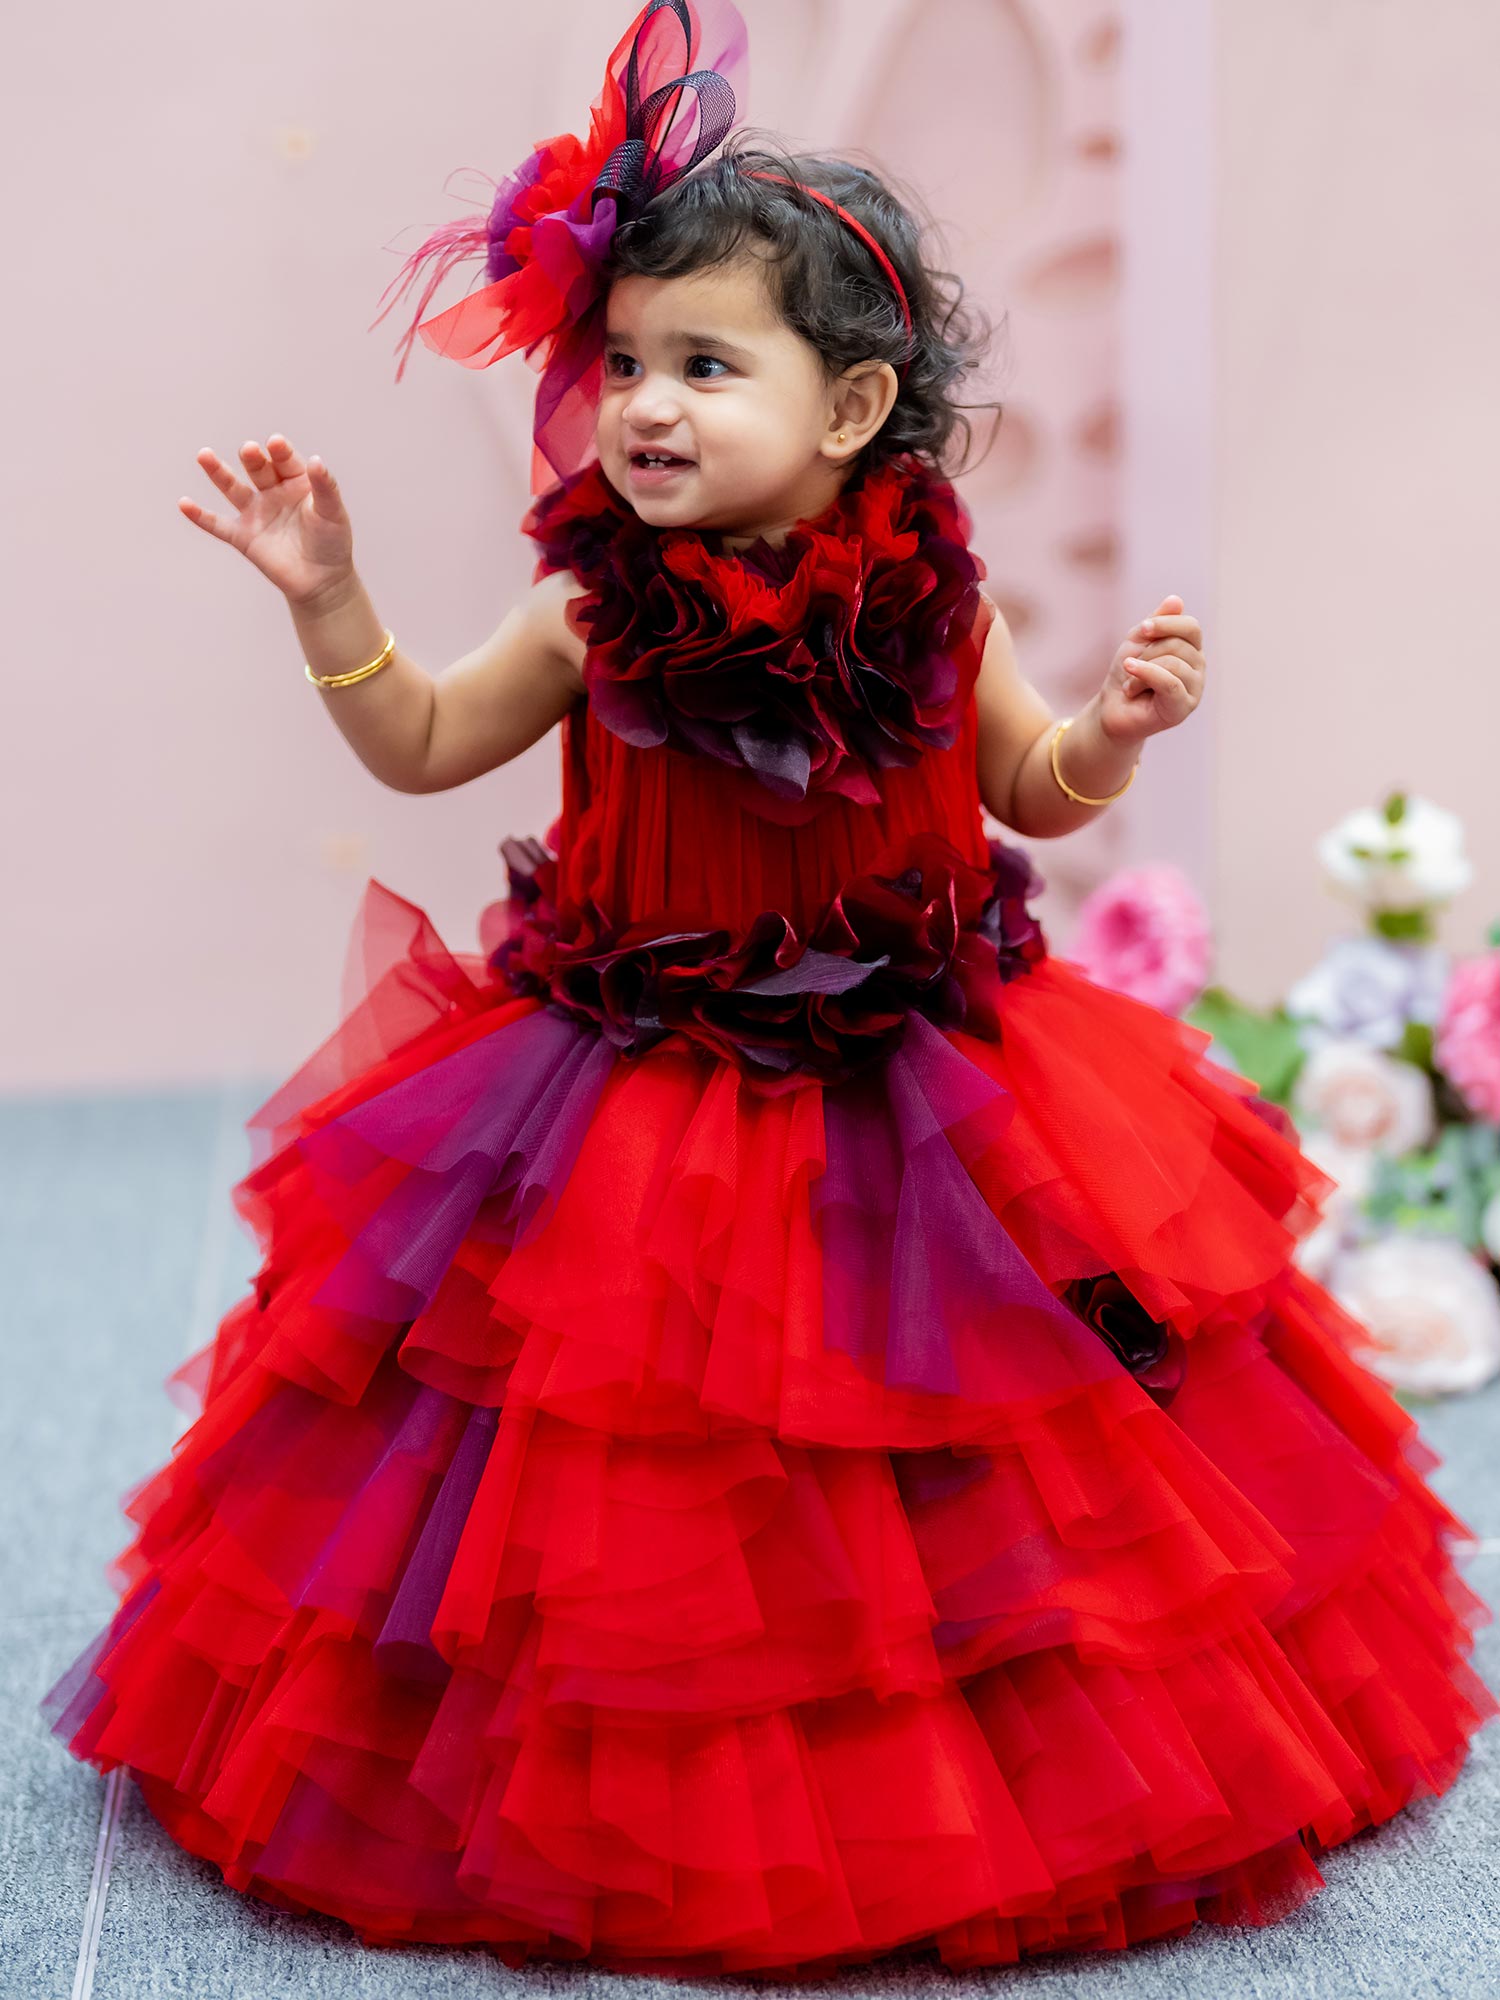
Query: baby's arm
[414,733]
[1015,748]
[498,700]
[420,733]
[429,735]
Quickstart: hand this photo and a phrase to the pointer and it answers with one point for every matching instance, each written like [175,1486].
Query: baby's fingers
[228,482]
[257,463]
[201,518]
[326,498]
[1154,673]
[286,461]
[1182,624]
[1182,649]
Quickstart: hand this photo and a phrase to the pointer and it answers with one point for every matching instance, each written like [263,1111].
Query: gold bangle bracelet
[356,673]
[1078,796]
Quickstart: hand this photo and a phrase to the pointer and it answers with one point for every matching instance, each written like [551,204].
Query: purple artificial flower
[1366,989]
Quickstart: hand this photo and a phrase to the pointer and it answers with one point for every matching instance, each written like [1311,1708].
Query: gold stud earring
[841,437]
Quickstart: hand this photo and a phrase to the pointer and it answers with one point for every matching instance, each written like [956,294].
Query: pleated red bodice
[771,837]
[656,832]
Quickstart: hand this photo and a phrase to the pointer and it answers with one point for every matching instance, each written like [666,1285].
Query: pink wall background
[1356,437]
[1249,293]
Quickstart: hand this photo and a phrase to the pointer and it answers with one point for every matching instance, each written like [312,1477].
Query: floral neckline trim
[806,668]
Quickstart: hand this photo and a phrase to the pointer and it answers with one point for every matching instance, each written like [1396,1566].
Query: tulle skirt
[638,1517]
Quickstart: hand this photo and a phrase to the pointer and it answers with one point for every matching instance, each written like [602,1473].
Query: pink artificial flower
[1467,1043]
[1144,932]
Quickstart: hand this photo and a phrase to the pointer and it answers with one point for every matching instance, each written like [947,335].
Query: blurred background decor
[1386,1054]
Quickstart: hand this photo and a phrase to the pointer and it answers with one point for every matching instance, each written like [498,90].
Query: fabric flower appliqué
[937,934]
[1154,1353]
[804,669]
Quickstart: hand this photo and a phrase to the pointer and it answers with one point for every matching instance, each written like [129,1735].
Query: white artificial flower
[1489,1227]
[1429,1307]
[1366,1099]
[1412,863]
[1366,989]
[1341,1218]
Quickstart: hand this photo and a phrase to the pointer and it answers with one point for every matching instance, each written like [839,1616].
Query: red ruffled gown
[714,1479]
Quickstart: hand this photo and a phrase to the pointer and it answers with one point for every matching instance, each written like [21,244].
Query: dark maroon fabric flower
[1154,1354]
[1008,924]
[934,933]
[852,648]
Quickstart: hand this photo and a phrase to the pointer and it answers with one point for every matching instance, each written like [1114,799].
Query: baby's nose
[654,403]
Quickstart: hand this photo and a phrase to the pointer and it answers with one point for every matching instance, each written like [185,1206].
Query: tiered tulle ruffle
[636,1516]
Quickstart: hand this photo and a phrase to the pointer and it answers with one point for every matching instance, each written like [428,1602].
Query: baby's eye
[617,363]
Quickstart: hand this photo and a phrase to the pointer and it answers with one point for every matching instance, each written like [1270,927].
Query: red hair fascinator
[546,236]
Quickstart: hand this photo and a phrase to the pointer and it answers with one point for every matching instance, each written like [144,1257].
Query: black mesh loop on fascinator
[633,173]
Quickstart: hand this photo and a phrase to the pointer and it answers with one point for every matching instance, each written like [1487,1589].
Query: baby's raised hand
[1155,680]
[289,519]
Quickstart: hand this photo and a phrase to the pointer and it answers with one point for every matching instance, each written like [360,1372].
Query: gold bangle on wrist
[1067,723]
[356,673]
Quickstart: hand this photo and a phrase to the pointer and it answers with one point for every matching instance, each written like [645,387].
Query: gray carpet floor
[120,1251]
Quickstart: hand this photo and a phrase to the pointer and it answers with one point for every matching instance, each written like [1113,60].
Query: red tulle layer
[602,1596]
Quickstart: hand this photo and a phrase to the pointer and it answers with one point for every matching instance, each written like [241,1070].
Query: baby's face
[702,368]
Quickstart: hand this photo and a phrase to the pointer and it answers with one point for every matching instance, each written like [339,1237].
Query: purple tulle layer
[489,1133]
[916,1265]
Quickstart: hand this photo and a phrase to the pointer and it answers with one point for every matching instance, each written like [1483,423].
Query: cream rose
[1430,1308]
[1366,1099]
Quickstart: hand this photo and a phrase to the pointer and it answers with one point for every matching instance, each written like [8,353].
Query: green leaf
[1415,1045]
[1441,1189]
[1265,1047]
[1438,1218]
[1403,924]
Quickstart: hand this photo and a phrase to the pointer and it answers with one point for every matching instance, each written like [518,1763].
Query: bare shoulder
[547,610]
[996,615]
[999,668]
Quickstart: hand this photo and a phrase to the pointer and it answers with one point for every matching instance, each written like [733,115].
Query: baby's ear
[875,386]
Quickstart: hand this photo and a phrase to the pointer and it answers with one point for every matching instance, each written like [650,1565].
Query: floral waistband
[941,935]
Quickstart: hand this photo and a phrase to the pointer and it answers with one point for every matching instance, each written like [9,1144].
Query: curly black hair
[823,280]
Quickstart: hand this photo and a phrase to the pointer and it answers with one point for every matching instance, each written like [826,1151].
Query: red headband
[760,174]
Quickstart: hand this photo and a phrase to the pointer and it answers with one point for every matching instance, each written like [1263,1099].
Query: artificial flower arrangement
[1387,1057]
